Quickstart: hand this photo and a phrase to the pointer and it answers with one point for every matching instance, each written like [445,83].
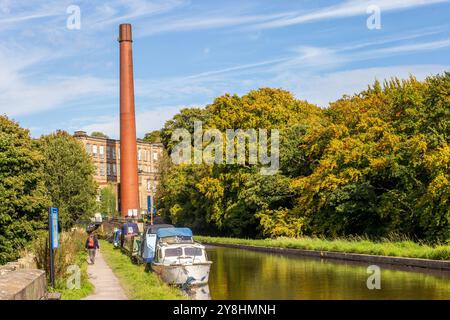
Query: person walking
[92,246]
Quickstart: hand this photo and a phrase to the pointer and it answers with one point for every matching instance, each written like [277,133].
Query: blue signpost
[53,240]
[151,209]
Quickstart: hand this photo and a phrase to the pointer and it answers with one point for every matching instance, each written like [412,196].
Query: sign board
[150,207]
[54,228]
[150,250]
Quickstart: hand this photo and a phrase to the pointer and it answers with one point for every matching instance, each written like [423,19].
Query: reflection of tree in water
[244,274]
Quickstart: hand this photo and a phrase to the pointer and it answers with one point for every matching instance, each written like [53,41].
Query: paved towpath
[106,284]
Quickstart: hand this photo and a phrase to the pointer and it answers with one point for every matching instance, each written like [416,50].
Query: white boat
[178,259]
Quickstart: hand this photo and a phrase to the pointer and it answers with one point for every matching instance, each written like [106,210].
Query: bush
[71,245]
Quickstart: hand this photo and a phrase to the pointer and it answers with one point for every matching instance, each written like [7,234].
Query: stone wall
[20,280]
[23,284]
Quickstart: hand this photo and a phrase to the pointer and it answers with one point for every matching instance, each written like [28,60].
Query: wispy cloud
[206,21]
[146,121]
[328,87]
[347,9]
[121,11]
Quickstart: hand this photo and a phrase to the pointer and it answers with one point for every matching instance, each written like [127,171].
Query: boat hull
[179,274]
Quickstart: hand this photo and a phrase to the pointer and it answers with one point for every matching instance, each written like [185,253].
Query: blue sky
[188,52]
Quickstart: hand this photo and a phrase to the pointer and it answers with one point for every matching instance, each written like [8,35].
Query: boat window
[193,252]
[173,252]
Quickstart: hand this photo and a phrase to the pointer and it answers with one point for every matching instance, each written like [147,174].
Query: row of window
[147,169]
[99,151]
[111,169]
[143,155]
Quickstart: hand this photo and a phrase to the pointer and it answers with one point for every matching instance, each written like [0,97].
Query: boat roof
[173,232]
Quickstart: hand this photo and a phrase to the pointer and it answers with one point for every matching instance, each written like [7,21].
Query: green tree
[68,177]
[108,204]
[23,200]
[375,163]
[215,198]
[153,136]
[99,134]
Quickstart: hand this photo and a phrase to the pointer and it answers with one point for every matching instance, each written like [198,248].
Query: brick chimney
[129,189]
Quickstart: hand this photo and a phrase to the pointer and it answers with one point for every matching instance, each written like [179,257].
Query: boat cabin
[167,243]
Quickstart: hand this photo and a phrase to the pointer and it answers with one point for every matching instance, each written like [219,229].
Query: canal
[245,274]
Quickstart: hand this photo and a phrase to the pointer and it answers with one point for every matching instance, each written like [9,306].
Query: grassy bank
[404,248]
[86,287]
[138,284]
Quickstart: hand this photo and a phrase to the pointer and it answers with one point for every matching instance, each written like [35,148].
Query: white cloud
[322,89]
[206,21]
[346,9]
[25,98]
[131,10]
[149,120]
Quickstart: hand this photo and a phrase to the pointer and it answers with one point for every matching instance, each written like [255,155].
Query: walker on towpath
[107,286]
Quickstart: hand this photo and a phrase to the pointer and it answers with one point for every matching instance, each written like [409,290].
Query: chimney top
[125,32]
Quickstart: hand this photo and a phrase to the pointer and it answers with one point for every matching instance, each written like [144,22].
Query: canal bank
[301,247]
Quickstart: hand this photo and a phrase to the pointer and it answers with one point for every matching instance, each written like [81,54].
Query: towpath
[107,286]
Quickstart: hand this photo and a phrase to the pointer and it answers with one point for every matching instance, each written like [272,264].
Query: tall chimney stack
[129,196]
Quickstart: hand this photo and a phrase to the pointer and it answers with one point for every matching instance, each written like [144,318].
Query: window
[193,252]
[175,252]
[155,155]
[88,148]
[114,169]
[149,185]
[101,170]
[113,151]
[94,150]
[108,169]
[139,154]
[101,152]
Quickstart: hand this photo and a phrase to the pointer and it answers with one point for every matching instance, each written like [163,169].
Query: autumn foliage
[376,163]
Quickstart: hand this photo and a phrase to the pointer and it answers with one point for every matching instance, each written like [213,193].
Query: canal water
[245,274]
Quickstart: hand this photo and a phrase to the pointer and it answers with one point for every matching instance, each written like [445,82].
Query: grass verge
[404,248]
[138,284]
[70,257]
[86,287]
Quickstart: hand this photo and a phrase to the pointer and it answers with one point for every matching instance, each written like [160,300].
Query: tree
[68,177]
[108,204]
[216,198]
[376,163]
[153,136]
[23,200]
[99,134]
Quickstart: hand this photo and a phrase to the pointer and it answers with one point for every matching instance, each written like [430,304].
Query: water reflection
[244,274]
[198,292]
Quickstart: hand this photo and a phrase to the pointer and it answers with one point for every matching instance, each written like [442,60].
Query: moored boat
[175,256]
